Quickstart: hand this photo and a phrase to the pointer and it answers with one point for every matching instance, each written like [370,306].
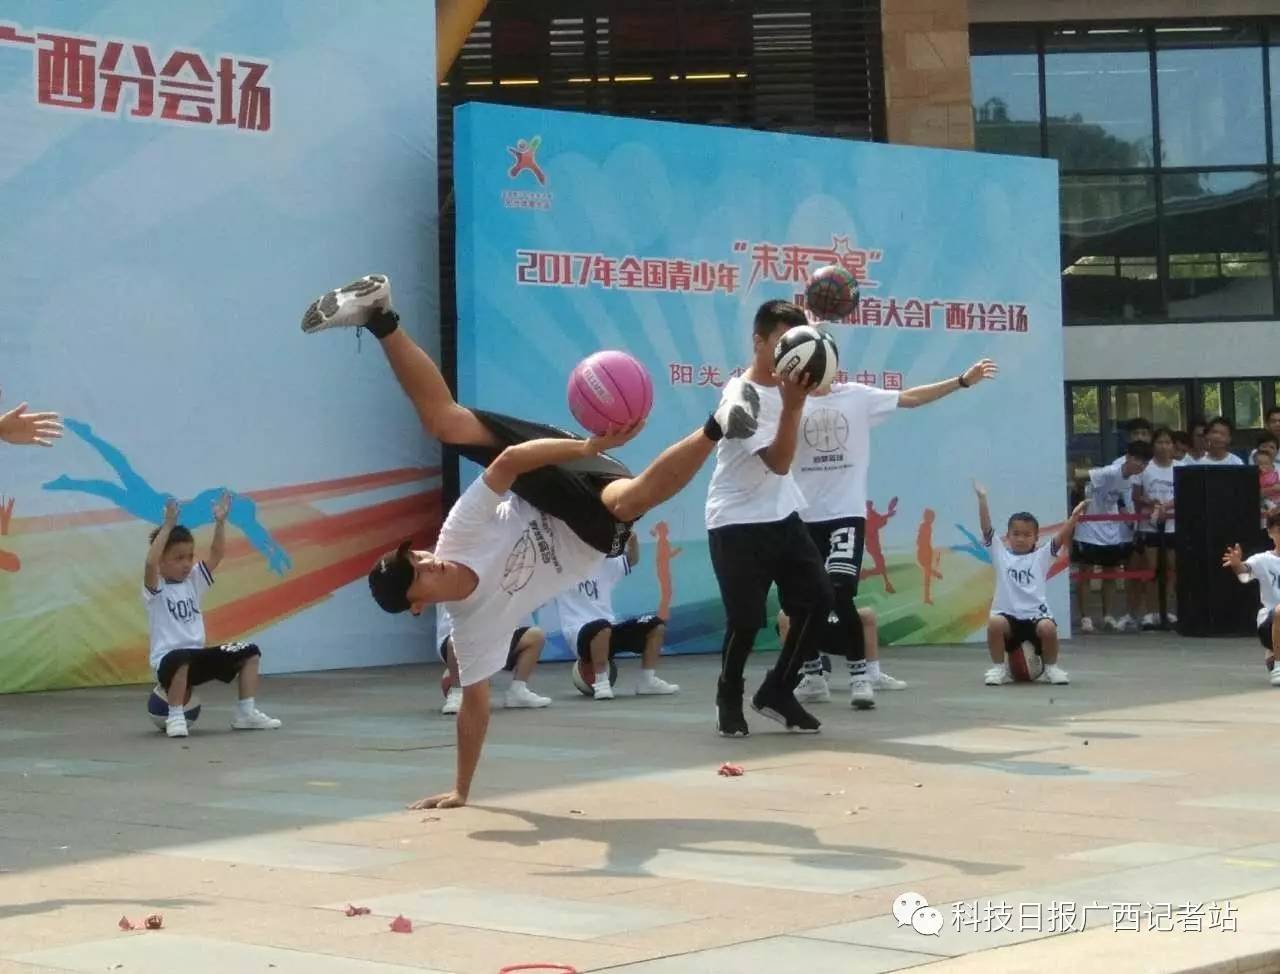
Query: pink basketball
[609,389]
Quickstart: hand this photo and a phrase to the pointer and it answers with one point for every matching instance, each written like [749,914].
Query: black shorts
[568,491]
[512,653]
[628,636]
[749,558]
[222,663]
[1022,631]
[1264,631]
[1100,555]
[840,545]
[1150,540]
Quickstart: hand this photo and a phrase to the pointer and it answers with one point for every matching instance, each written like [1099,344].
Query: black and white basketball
[809,351]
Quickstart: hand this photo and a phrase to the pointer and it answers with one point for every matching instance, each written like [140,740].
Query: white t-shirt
[444,624]
[1021,580]
[521,557]
[1106,489]
[591,598]
[1265,567]
[1230,460]
[1157,484]
[833,450]
[743,489]
[173,613]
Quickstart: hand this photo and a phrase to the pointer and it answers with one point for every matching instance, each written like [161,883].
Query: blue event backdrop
[579,232]
[156,253]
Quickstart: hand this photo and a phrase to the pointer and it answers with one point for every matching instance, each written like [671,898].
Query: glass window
[1084,409]
[1210,400]
[1274,54]
[1211,104]
[1109,249]
[1247,394]
[1005,77]
[1219,252]
[1098,98]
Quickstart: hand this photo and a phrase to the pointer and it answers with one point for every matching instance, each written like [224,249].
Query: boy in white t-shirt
[1264,568]
[593,631]
[173,583]
[756,538]
[1020,608]
[523,653]
[832,465]
[1218,436]
[1153,498]
[548,509]
[1103,545]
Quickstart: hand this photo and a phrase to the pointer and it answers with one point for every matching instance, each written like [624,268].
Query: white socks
[246,706]
[177,712]
[873,669]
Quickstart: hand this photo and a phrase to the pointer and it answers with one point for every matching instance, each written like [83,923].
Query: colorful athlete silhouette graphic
[525,155]
[973,547]
[134,495]
[9,562]
[876,521]
[926,557]
[663,554]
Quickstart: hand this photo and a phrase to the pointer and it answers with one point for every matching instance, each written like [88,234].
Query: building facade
[1164,117]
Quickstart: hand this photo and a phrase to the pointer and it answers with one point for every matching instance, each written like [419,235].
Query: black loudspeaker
[1216,507]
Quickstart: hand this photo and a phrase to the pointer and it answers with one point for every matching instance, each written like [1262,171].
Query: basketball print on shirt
[536,544]
[825,430]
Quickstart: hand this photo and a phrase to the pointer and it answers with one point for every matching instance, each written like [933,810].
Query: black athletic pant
[839,543]
[750,558]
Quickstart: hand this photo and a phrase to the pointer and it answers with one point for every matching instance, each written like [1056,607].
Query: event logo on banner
[663,239]
[179,182]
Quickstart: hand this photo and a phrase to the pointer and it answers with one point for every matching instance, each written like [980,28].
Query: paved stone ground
[601,836]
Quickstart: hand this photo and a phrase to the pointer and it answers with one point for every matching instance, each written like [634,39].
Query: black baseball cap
[390,578]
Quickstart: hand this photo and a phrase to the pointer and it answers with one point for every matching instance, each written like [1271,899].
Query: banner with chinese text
[577,233]
[178,182]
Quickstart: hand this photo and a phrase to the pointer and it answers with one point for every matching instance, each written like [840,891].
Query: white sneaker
[736,415]
[1128,623]
[1086,626]
[861,696]
[522,696]
[885,682]
[1275,679]
[452,701]
[1056,675]
[602,691]
[998,675]
[1171,618]
[350,306]
[254,721]
[656,687]
[813,688]
[1110,625]
[176,725]
[1150,621]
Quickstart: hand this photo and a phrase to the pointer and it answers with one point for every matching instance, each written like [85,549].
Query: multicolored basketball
[1025,663]
[811,352]
[158,707]
[584,676]
[832,292]
[609,389]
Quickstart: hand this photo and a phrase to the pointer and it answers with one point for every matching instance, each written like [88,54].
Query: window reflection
[1211,104]
[1109,248]
[1098,98]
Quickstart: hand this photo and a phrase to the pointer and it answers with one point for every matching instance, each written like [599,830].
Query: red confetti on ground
[357,911]
[562,968]
[155,921]
[402,924]
[126,924]
[728,770]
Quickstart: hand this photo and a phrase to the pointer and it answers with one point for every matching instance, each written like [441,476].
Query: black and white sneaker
[778,704]
[351,306]
[737,412]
